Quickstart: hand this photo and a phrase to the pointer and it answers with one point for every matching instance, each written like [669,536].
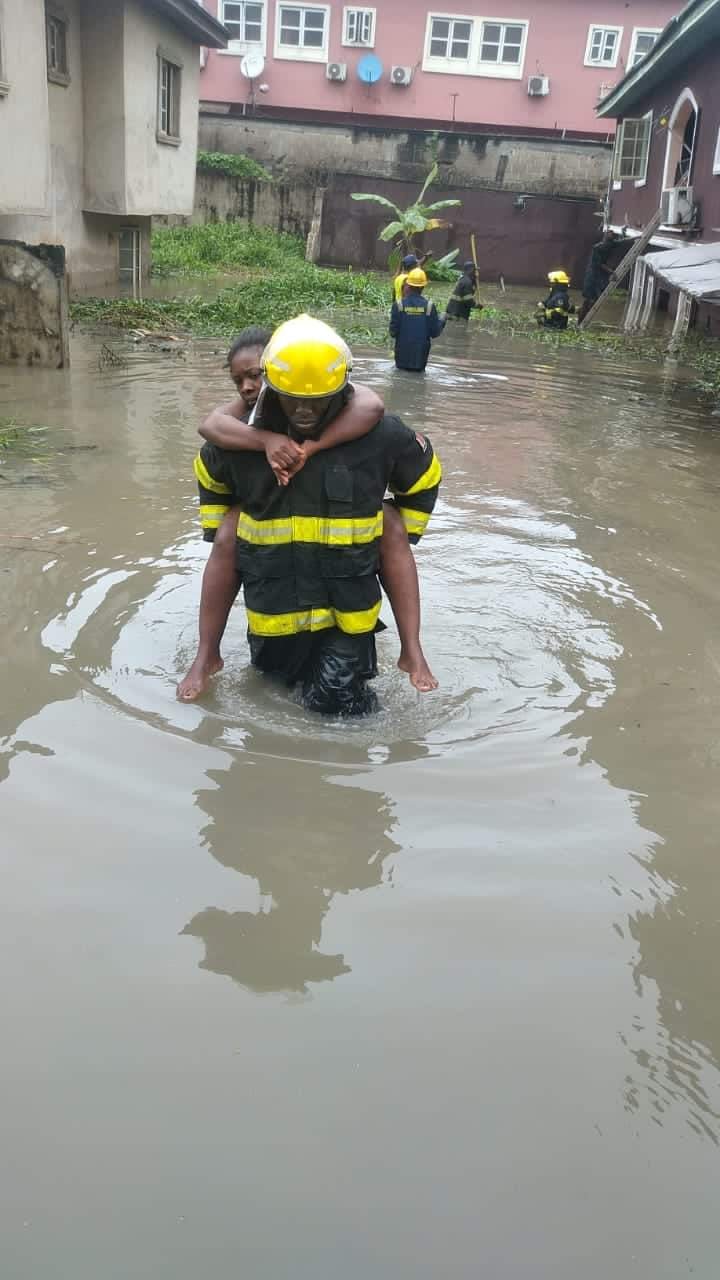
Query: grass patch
[219,246]
[242,167]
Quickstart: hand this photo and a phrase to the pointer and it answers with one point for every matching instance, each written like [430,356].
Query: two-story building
[534,68]
[667,157]
[98,125]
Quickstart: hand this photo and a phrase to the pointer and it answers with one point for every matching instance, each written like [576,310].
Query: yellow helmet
[306,358]
[558,277]
[416,278]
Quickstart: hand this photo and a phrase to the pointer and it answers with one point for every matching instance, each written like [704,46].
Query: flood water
[429,995]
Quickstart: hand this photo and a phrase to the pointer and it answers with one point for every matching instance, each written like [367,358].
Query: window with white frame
[449,38]
[502,43]
[244,21]
[603,46]
[359,27]
[301,31]
[458,44]
[643,40]
[632,148]
[56,45]
[4,86]
[168,121]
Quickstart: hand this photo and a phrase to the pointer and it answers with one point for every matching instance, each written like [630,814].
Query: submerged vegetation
[271,281]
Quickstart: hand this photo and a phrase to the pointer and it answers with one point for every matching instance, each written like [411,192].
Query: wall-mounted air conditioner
[401,76]
[538,86]
[336,71]
[677,206]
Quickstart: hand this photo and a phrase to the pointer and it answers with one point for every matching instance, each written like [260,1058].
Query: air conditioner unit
[604,91]
[401,76]
[336,71]
[677,206]
[538,86]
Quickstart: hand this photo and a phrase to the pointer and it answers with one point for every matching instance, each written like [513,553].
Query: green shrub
[243,167]
[216,245]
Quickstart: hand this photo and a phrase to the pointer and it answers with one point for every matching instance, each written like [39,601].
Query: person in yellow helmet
[309,552]
[414,323]
[553,311]
[227,426]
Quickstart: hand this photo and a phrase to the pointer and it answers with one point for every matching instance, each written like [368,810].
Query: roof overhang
[694,270]
[685,35]
[193,21]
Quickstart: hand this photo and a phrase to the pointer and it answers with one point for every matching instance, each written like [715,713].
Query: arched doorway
[682,128]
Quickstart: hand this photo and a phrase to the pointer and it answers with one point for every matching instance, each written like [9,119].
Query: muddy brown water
[434,994]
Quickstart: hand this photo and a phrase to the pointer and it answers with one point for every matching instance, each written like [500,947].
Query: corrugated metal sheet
[694,270]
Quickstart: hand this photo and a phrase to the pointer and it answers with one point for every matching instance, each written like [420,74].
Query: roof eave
[194,21]
[680,39]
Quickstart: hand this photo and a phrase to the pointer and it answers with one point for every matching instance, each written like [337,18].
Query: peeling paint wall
[33,305]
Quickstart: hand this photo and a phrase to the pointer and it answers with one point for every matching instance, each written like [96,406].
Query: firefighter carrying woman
[311,534]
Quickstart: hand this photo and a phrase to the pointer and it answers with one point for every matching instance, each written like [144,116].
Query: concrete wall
[521,244]
[25,168]
[276,205]
[556,45]
[160,178]
[33,305]
[309,152]
[103,42]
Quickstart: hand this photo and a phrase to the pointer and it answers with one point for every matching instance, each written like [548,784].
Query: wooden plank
[624,267]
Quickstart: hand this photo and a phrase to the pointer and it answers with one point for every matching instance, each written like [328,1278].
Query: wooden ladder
[624,267]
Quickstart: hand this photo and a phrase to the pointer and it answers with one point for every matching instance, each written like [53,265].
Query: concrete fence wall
[519,238]
[311,153]
[33,305]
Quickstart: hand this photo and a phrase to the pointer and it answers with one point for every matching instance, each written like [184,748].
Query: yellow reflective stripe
[212,517]
[414,521]
[428,480]
[331,531]
[359,621]
[289,624]
[205,479]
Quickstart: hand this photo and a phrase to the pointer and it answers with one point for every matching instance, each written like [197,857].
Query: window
[450,38]
[458,44]
[359,27]
[716,158]
[603,46]
[129,256]
[169,74]
[301,31]
[632,146]
[56,40]
[502,42]
[4,86]
[643,40]
[245,23]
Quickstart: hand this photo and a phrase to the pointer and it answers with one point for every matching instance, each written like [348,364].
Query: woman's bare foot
[421,677]
[196,681]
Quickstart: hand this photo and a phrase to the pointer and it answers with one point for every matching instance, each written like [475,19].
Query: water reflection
[304,840]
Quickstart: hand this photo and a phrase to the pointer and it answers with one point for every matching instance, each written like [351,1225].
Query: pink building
[536,69]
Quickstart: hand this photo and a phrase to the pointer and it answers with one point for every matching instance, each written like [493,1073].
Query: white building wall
[24,127]
[159,178]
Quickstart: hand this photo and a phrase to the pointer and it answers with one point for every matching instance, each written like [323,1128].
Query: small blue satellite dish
[369,69]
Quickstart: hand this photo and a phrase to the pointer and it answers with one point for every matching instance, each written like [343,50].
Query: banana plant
[413,221]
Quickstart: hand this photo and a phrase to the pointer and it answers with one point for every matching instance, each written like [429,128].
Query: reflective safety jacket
[557,307]
[462,299]
[308,552]
[414,322]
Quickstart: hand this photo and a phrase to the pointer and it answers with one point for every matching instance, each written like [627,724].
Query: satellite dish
[369,69]
[252,65]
